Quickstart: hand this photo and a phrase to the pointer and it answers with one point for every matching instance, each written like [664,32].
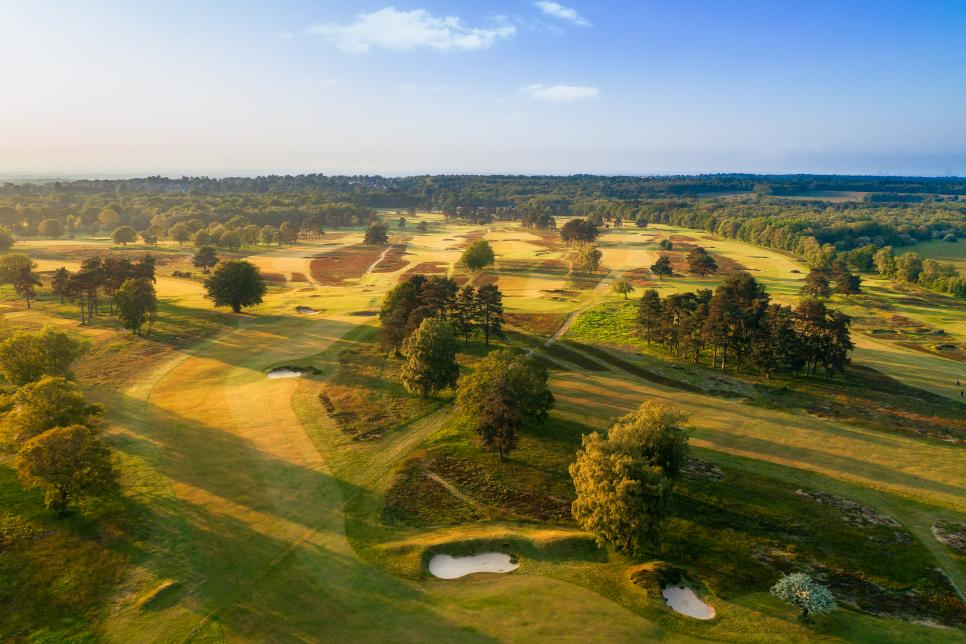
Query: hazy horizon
[509,87]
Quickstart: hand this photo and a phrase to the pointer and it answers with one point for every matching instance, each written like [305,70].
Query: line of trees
[467,309]
[107,275]
[48,423]
[737,324]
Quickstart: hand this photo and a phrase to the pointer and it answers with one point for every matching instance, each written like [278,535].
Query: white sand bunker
[682,600]
[306,310]
[283,372]
[447,567]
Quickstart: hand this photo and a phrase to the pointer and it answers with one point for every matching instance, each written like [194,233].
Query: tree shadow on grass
[257,542]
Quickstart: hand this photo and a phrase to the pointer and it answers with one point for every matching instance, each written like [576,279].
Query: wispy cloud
[557,10]
[560,93]
[396,30]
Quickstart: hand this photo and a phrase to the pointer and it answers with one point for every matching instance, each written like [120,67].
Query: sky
[396,87]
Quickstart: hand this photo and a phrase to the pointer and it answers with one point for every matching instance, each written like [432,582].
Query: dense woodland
[895,213]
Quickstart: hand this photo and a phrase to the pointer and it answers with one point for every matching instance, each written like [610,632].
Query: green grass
[250,514]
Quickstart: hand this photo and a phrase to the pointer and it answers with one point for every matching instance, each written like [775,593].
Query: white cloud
[406,30]
[560,93]
[285,35]
[557,10]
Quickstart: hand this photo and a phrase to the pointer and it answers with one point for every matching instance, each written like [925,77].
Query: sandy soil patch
[283,372]
[682,599]
[447,567]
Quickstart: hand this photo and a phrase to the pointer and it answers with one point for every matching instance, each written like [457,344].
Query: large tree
[235,283]
[505,391]
[844,281]
[624,480]
[17,269]
[588,259]
[180,233]
[430,354]
[701,263]
[137,304]
[70,463]
[662,267]
[26,356]
[376,234]
[478,255]
[489,302]
[60,283]
[124,235]
[47,403]
[51,228]
[465,312]
[816,284]
[205,258]
[7,240]
[579,231]
[649,313]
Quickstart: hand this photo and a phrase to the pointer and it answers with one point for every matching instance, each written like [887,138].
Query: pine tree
[490,307]
[649,313]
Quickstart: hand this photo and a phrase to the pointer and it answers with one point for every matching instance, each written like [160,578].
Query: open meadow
[307,508]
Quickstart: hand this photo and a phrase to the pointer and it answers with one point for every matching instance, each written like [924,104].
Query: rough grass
[394,259]
[335,267]
[538,324]
[365,397]
[243,512]
[57,573]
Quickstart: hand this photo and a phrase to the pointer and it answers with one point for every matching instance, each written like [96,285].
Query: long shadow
[262,582]
[214,461]
[843,464]
[235,348]
[266,588]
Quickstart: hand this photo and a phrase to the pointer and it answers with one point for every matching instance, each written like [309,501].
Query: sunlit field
[249,514]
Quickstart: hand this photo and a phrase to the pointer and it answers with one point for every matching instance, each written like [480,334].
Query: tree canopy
[662,267]
[430,354]
[70,463]
[477,255]
[47,403]
[26,356]
[625,478]
[205,258]
[235,283]
[505,391]
[701,263]
[124,235]
[377,234]
[137,304]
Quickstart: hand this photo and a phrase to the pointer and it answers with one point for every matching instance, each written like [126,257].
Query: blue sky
[488,86]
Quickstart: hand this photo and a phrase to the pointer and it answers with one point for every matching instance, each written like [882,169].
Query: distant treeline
[498,190]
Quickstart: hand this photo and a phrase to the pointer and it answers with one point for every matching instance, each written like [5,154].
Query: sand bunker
[306,310]
[283,372]
[447,567]
[683,600]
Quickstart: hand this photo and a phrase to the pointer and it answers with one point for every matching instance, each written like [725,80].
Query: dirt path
[372,266]
[559,333]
